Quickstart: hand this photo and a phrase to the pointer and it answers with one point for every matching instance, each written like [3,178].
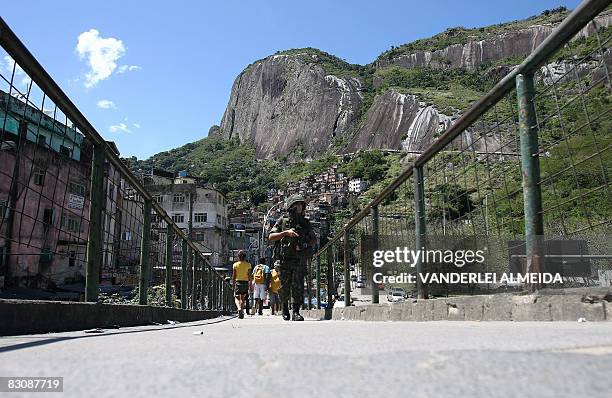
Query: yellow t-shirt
[275,284]
[242,270]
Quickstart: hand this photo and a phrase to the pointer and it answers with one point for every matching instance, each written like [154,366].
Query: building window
[71,258]
[39,177]
[158,198]
[154,218]
[126,235]
[178,218]
[48,216]
[76,188]
[3,208]
[41,140]
[200,217]
[199,236]
[178,198]
[64,150]
[218,219]
[70,224]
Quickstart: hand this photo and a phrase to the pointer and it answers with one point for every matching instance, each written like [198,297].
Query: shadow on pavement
[51,340]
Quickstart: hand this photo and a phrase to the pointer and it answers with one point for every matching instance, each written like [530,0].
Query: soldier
[294,243]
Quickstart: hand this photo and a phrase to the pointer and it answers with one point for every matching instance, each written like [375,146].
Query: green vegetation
[226,165]
[156,296]
[451,91]
[331,64]
[461,35]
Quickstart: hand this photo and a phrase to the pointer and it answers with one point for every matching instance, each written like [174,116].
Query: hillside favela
[306,199]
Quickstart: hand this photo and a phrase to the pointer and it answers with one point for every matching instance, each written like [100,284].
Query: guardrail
[70,209]
[551,114]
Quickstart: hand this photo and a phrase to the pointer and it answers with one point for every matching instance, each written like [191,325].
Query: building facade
[201,210]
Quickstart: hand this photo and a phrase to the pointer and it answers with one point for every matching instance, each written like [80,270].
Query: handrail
[24,58]
[571,25]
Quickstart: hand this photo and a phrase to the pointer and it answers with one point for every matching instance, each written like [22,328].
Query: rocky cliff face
[399,121]
[288,102]
[472,54]
[404,122]
[285,101]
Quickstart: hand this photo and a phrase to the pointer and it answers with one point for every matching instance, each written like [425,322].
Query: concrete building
[357,185]
[45,224]
[192,207]
[44,200]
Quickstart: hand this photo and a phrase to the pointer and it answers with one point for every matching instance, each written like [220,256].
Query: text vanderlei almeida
[459,258]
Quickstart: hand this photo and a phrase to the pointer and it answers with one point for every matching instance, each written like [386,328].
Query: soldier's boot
[286,315]
[296,313]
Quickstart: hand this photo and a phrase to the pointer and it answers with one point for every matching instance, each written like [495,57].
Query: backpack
[259,275]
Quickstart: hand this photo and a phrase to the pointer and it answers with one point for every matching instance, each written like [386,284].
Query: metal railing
[71,211]
[522,174]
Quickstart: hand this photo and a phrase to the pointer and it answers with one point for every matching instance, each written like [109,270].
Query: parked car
[360,284]
[396,294]
[353,278]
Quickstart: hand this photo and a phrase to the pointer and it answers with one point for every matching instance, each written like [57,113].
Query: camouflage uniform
[293,254]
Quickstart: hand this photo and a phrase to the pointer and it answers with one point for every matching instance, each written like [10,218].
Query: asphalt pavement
[265,356]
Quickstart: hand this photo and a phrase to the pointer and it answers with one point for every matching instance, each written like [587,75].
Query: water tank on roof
[182,173]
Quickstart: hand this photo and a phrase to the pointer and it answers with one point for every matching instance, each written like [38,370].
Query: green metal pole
[193,280]
[184,257]
[330,277]
[209,288]
[169,250]
[530,165]
[309,283]
[96,225]
[375,233]
[202,301]
[318,285]
[347,270]
[216,292]
[419,196]
[145,253]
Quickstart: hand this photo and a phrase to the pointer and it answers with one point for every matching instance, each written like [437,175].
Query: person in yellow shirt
[241,277]
[275,285]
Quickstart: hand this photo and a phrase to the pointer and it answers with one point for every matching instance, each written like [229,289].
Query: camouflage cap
[295,198]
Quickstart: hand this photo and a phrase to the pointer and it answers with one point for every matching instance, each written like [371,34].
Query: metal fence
[523,176]
[71,212]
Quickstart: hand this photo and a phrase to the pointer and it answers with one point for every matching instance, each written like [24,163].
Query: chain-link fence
[71,212]
[519,185]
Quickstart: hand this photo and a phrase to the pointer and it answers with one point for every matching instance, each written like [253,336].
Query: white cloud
[20,76]
[106,104]
[101,54]
[137,125]
[128,68]
[119,128]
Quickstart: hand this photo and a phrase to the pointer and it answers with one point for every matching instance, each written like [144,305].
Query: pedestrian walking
[275,284]
[241,277]
[295,241]
[261,277]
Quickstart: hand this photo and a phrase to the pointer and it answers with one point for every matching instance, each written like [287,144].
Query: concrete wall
[26,317]
[561,305]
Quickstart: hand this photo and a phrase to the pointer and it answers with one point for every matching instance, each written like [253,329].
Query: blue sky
[175,62]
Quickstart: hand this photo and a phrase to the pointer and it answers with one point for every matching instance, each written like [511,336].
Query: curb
[591,305]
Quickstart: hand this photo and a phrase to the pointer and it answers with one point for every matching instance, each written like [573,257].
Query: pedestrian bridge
[68,202]
[257,355]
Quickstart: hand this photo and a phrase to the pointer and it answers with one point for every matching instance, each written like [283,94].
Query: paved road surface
[266,357]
